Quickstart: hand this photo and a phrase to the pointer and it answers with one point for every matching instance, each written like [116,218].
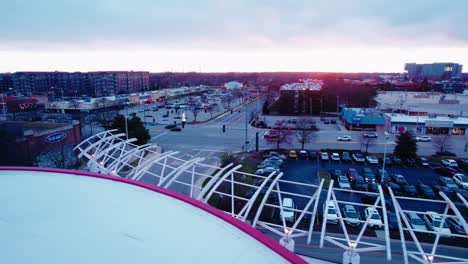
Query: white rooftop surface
[412,101]
[62,218]
[421,119]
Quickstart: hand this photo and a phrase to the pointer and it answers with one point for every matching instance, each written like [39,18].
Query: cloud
[231,24]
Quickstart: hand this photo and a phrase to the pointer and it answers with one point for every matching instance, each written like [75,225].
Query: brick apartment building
[103,83]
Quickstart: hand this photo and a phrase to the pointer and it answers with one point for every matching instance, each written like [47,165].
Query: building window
[448,69]
[437,130]
[460,131]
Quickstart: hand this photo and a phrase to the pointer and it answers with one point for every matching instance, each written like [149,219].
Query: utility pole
[246,127]
[126,122]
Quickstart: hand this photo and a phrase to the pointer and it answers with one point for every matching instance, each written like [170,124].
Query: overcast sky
[231,35]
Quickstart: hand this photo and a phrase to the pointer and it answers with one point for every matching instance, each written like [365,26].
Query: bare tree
[442,143]
[213,109]
[305,132]
[194,110]
[367,142]
[58,155]
[279,134]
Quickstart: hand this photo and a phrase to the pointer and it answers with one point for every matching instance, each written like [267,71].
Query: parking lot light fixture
[387,135]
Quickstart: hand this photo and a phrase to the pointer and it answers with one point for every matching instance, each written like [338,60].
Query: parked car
[170,126]
[423,139]
[396,189]
[336,173]
[374,217]
[463,164]
[312,155]
[455,225]
[358,157]
[415,221]
[303,154]
[352,173]
[410,190]
[276,154]
[388,161]
[445,153]
[345,157]
[434,223]
[343,182]
[270,135]
[335,156]
[449,192]
[382,176]
[423,162]
[410,162]
[449,163]
[426,191]
[333,121]
[392,221]
[368,174]
[359,183]
[448,182]
[324,156]
[344,138]
[397,161]
[292,154]
[446,171]
[288,210]
[461,180]
[373,187]
[372,160]
[266,171]
[351,215]
[399,179]
[332,216]
[370,135]
[176,128]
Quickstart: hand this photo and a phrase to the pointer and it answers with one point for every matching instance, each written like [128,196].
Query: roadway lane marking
[159,135]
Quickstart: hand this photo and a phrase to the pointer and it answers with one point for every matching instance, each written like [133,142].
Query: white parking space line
[162,134]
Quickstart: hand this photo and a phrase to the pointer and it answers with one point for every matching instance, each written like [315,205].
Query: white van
[288,209]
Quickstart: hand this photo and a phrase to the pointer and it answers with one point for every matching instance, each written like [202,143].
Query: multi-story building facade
[5,82]
[434,70]
[101,83]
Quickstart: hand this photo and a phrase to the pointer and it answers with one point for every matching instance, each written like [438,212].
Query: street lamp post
[385,152]
[246,127]
[126,122]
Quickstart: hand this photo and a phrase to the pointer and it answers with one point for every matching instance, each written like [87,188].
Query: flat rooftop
[453,104]
[58,216]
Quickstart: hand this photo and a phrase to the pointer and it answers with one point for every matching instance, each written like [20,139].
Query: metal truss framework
[255,199]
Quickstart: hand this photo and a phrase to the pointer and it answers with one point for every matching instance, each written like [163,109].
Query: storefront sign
[356,120]
[57,137]
[434,123]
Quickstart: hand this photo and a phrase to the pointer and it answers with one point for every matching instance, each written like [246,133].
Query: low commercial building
[22,141]
[430,124]
[362,119]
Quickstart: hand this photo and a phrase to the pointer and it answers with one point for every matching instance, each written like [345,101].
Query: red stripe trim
[259,236]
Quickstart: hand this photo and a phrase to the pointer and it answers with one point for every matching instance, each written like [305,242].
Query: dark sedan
[359,183]
[392,221]
[368,174]
[410,190]
[426,191]
[423,162]
[446,190]
[396,189]
[399,179]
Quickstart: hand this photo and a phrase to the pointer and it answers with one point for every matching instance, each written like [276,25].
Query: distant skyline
[231,35]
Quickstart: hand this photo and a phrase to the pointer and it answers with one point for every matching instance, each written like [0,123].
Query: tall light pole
[246,127]
[385,152]
[126,122]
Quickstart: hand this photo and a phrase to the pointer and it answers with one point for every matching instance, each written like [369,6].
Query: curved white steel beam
[146,165]
[213,181]
[124,157]
[93,136]
[179,170]
[104,152]
[265,198]
[227,174]
[104,140]
[248,206]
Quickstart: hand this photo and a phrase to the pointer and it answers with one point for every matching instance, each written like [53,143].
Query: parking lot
[306,171]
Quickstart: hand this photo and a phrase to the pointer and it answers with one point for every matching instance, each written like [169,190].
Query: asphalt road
[210,136]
